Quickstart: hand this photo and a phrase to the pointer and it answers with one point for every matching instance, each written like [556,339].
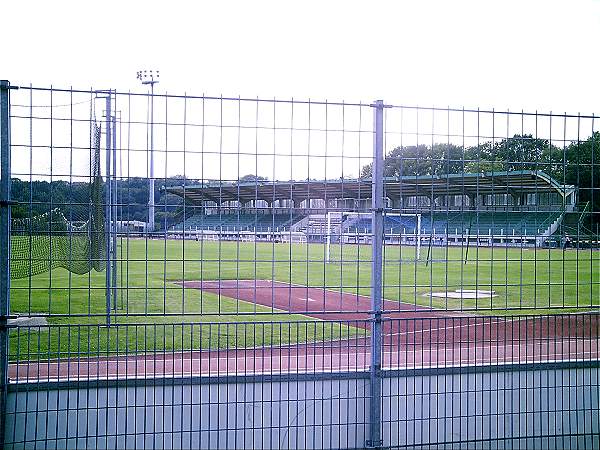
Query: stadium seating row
[497,223]
[238,222]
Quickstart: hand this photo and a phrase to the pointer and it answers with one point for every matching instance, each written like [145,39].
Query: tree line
[74,199]
[577,163]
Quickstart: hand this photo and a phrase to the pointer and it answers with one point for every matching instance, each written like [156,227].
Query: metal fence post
[375,440]
[4,247]
[108,208]
[114,200]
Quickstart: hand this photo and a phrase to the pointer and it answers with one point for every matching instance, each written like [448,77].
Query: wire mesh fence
[195,271]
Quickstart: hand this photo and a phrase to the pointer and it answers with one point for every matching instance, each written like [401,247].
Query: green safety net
[50,240]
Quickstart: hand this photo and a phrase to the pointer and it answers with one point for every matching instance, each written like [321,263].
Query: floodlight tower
[150,77]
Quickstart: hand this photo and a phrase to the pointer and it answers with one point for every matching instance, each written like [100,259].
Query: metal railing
[118,335]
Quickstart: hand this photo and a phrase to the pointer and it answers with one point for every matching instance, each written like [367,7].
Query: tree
[412,160]
[582,169]
[520,152]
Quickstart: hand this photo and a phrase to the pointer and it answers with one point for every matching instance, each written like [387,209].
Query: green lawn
[522,278]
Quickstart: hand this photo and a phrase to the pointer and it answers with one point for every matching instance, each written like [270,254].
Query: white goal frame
[418,236]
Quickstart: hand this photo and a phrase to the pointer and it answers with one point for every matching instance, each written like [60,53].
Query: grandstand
[495,208]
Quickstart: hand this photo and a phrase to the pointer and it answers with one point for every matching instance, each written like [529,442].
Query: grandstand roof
[514,182]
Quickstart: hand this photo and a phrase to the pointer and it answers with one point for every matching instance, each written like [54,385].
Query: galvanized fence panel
[195,271]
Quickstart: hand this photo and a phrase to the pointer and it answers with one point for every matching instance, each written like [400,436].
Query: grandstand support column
[4,247]
[377,203]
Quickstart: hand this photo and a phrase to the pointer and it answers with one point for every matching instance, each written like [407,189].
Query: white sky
[531,55]
[504,54]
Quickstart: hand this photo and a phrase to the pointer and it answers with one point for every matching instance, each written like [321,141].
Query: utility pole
[151,78]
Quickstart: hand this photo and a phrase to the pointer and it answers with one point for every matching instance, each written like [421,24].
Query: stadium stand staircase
[351,222]
[578,221]
[317,224]
[301,224]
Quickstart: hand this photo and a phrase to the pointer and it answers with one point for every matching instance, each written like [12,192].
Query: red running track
[412,339]
[405,323]
[314,302]
[352,355]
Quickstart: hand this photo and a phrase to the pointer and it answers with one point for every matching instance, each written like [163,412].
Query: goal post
[335,222]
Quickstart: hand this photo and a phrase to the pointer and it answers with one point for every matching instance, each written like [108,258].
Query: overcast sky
[531,55]
[504,54]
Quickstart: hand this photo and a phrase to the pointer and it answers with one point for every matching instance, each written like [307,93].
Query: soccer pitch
[549,280]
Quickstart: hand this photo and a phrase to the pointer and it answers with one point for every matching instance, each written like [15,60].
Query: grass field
[523,279]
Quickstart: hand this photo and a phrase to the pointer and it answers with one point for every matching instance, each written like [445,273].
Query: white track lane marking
[450,327]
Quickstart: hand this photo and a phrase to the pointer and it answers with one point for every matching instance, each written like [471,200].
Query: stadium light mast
[149,77]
